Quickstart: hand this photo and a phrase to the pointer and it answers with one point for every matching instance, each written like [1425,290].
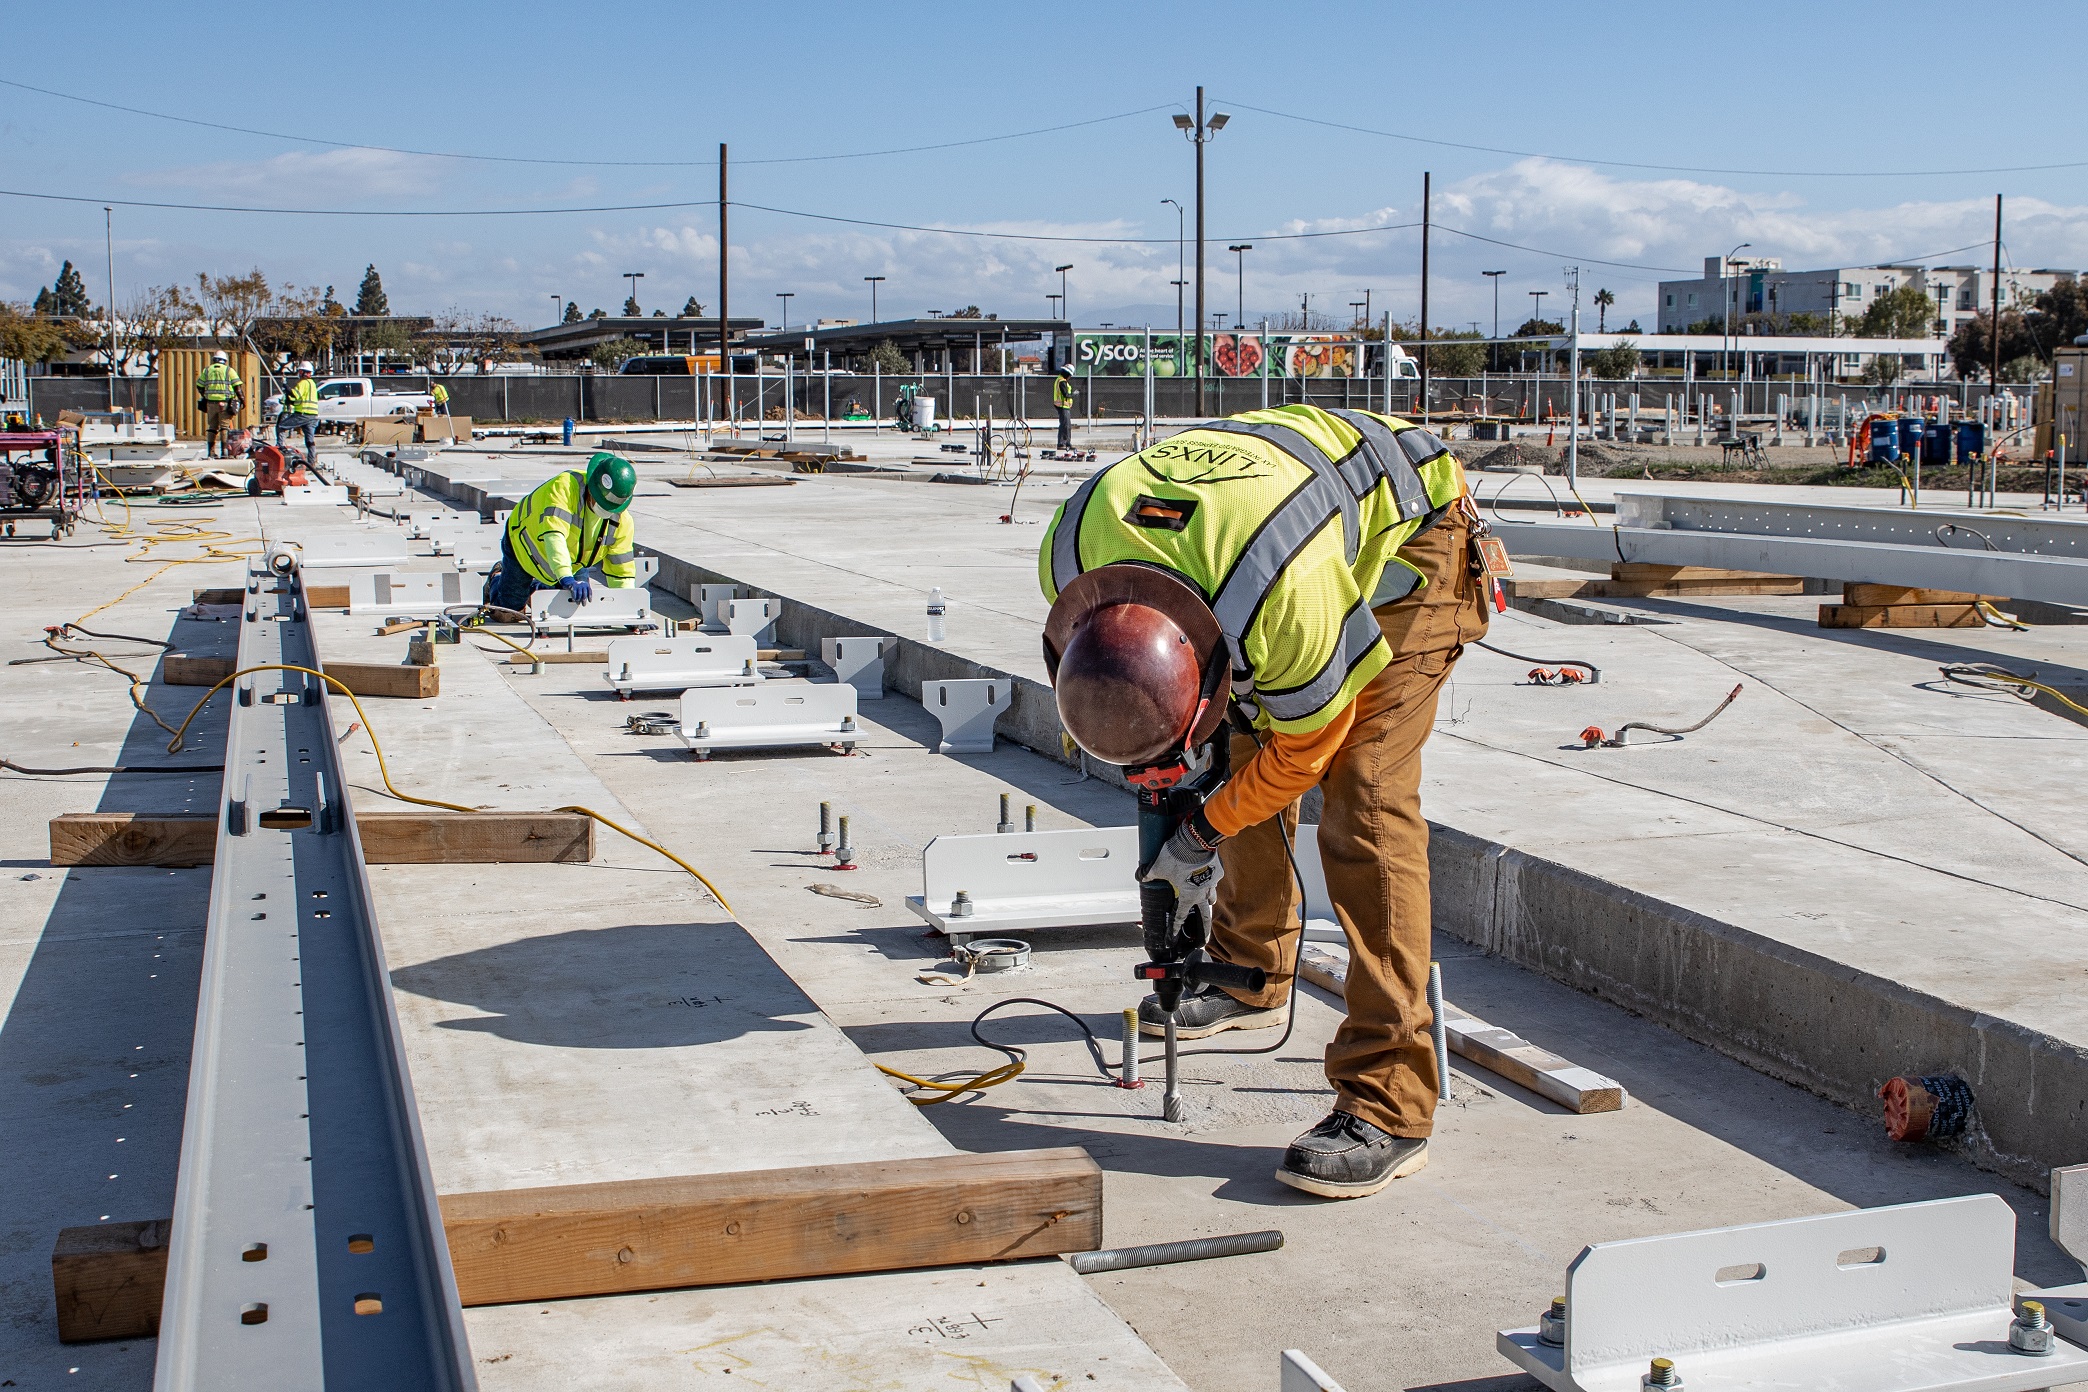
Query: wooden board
[476,838]
[1497,1050]
[1874,596]
[1641,571]
[1901,616]
[326,596]
[362,678]
[418,837]
[586,1240]
[108,1279]
[819,1220]
[1559,587]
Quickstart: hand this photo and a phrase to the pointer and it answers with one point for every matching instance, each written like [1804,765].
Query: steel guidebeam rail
[1970,552]
[307,1249]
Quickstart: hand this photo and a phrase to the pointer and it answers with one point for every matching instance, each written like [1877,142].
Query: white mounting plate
[708,598]
[625,606]
[1026,880]
[1930,1312]
[676,664]
[410,594]
[470,550]
[314,495]
[859,662]
[775,714]
[967,709]
[364,547]
[753,617]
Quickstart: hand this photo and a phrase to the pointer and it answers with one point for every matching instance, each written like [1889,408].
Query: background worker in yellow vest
[1062,402]
[570,523]
[220,396]
[1322,561]
[300,411]
[441,396]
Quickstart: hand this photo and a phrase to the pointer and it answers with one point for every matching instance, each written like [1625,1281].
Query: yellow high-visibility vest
[553,534]
[302,399]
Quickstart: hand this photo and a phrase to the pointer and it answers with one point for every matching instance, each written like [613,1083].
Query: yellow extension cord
[384,772]
[992,1077]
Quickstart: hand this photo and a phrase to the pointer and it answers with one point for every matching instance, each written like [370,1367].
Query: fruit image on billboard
[1116,354]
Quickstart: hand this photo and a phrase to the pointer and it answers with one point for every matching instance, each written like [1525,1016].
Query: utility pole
[724,275]
[1199,131]
[1181,274]
[1495,277]
[1994,374]
[1573,386]
[1425,176]
[109,250]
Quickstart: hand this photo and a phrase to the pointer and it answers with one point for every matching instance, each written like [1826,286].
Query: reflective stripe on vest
[1065,542]
[1397,456]
[1359,630]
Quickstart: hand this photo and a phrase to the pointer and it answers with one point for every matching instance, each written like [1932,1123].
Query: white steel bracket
[624,606]
[676,664]
[1911,1298]
[967,710]
[410,594]
[859,662]
[775,714]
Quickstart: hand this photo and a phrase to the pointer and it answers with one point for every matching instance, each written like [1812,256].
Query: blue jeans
[308,424]
[512,586]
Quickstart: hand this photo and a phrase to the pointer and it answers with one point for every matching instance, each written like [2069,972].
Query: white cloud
[330,178]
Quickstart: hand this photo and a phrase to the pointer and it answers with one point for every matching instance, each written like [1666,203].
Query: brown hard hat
[1136,659]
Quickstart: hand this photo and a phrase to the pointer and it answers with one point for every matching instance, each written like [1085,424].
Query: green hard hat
[610,482]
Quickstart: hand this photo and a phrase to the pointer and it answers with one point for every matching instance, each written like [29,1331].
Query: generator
[42,478]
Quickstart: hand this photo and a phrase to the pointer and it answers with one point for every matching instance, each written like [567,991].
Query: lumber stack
[1903,606]
[1637,580]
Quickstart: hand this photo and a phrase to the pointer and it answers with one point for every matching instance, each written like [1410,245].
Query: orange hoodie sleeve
[1278,775]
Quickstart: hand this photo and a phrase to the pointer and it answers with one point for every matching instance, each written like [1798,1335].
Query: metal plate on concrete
[859,662]
[315,495]
[967,710]
[676,664]
[410,594]
[1026,880]
[1912,1298]
[628,606]
[775,714]
[753,617]
[362,547]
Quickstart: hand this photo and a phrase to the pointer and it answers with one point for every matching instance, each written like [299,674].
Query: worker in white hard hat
[220,397]
[300,410]
[1062,402]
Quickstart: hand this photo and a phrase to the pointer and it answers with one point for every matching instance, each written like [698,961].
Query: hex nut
[2035,1342]
[1551,1325]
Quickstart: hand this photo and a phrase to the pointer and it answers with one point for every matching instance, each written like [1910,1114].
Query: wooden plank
[108,1279]
[1683,589]
[587,1240]
[326,596]
[476,838]
[133,838]
[819,1220]
[430,837]
[1878,596]
[1497,1050]
[362,678]
[1642,571]
[1901,616]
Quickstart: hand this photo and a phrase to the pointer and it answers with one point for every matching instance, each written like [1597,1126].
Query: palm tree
[1603,300]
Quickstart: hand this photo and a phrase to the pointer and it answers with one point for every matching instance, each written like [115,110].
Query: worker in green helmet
[570,524]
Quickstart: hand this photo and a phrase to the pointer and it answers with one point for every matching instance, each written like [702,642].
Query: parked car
[343,399]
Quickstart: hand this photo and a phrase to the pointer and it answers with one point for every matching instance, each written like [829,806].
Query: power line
[1661,168]
[1042,237]
[587,163]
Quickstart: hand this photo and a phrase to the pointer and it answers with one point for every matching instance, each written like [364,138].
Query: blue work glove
[1189,863]
[578,587]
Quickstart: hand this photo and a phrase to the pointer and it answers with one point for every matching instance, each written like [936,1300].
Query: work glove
[578,587]
[1189,863]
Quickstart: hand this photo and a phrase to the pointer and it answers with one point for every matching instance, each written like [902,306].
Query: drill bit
[1171,1098]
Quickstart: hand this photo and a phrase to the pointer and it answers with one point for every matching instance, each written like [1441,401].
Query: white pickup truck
[343,399]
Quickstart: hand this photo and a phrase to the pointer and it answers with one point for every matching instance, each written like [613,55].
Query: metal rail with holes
[307,1248]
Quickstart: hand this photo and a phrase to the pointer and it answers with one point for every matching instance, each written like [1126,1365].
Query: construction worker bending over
[1062,402]
[1324,561]
[440,396]
[220,396]
[569,523]
[300,411]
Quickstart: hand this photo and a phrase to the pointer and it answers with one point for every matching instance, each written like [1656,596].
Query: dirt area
[1791,464]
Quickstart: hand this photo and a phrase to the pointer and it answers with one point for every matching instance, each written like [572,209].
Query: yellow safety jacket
[440,394]
[217,384]
[302,399]
[1288,522]
[1062,393]
[553,534]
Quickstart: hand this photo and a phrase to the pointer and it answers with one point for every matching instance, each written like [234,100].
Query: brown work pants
[1373,844]
[220,418]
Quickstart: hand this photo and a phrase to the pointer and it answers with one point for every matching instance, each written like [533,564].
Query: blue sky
[616,93]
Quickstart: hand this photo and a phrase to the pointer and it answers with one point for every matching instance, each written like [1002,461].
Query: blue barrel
[569,430]
[1910,437]
[1935,444]
[1884,442]
[1971,440]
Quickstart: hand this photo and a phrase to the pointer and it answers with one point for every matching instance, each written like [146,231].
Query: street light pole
[559,300]
[109,250]
[1495,277]
[1537,316]
[1065,303]
[1239,251]
[785,296]
[1725,276]
[634,277]
[873,296]
[1181,270]
[1199,131]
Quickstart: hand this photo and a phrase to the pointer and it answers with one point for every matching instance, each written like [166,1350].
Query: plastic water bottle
[569,430]
[937,607]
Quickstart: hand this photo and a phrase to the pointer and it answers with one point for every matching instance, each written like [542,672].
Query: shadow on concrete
[915,942]
[639,986]
[95,1042]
